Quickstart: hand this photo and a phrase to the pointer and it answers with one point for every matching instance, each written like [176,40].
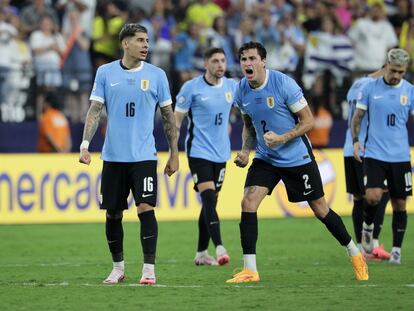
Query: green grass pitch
[302,267]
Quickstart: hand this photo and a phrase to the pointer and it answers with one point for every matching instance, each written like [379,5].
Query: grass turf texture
[302,267]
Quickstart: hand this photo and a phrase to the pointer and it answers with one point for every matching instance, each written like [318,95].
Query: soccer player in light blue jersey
[206,101]
[388,102]
[130,91]
[354,175]
[277,117]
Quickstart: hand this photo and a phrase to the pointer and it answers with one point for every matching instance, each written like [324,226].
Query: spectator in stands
[54,132]
[292,43]
[86,9]
[47,46]
[32,14]
[407,43]
[76,68]
[106,26]
[203,12]
[187,45]
[7,34]
[245,32]
[372,37]
[219,37]
[401,15]
[163,24]
[319,134]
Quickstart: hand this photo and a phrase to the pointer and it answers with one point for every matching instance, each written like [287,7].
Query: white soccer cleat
[395,258]
[148,275]
[205,260]
[116,276]
[222,255]
[367,240]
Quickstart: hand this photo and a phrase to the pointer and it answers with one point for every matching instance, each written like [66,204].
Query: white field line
[34,284]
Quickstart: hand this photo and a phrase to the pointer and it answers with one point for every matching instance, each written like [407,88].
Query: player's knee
[114,214]
[248,204]
[373,199]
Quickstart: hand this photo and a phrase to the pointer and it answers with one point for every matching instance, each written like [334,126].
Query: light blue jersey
[208,107]
[271,108]
[388,108]
[130,98]
[352,97]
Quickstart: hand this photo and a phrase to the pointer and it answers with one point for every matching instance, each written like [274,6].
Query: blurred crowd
[56,45]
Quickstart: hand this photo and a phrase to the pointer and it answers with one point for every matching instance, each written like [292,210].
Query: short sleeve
[362,97]
[184,98]
[164,95]
[98,89]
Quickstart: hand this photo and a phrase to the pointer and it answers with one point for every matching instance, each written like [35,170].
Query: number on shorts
[408,179]
[148,185]
[305,181]
[221,175]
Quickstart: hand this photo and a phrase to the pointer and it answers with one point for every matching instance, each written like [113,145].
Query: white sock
[396,249]
[376,242]
[119,265]
[250,262]
[202,253]
[220,250]
[359,245]
[352,249]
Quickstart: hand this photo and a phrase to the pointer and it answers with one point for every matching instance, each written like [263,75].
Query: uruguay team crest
[228,96]
[403,100]
[270,102]
[144,85]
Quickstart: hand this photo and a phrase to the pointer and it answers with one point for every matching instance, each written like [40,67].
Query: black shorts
[204,170]
[119,178]
[354,176]
[303,183]
[397,176]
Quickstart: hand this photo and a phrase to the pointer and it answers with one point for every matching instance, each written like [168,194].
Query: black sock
[369,212]
[203,235]
[358,218]
[115,238]
[209,199]
[248,232]
[399,224]
[149,235]
[379,215]
[336,227]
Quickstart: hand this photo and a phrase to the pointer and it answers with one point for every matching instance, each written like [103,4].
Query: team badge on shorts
[403,100]
[144,85]
[228,96]
[270,102]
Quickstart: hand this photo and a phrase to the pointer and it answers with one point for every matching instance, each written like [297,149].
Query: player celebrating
[277,116]
[207,101]
[130,90]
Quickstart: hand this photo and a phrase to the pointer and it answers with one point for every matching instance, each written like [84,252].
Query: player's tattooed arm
[355,129]
[249,142]
[170,128]
[356,123]
[248,134]
[92,120]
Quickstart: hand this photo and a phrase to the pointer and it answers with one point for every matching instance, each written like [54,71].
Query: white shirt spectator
[372,40]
